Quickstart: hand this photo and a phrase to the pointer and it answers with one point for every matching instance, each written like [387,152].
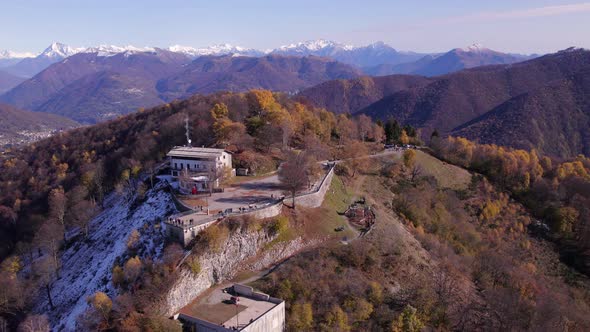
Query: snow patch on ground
[87,264]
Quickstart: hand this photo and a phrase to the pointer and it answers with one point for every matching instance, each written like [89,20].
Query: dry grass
[447,175]
[323,221]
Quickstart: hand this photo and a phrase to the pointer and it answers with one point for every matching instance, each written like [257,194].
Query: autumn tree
[364,127]
[133,239]
[408,321]
[102,304]
[226,131]
[345,129]
[301,317]
[355,156]
[409,158]
[404,138]
[293,174]
[132,269]
[337,320]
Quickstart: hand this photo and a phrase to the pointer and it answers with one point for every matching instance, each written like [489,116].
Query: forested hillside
[556,192]
[536,104]
[51,190]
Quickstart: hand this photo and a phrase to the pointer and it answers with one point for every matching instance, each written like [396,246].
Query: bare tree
[415,172]
[365,127]
[58,208]
[35,323]
[80,210]
[47,273]
[12,300]
[293,173]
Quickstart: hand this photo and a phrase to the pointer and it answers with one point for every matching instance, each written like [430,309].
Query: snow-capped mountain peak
[311,46]
[59,50]
[110,50]
[7,54]
[218,49]
[474,48]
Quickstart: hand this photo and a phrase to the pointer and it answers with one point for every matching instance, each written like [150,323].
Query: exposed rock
[224,265]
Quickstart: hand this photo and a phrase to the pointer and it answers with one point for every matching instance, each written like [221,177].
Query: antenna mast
[188,133]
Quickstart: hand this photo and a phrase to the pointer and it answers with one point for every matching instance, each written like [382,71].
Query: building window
[175,165]
[188,166]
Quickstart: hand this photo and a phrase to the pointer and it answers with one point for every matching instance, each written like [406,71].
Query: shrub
[214,237]
[279,225]
[118,276]
[194,264]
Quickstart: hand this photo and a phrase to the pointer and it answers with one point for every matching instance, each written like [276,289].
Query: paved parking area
[253,192]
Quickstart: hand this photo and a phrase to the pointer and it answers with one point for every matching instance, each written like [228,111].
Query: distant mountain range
[92,87]
[273,72]
[375,59]
[452,61]
[540,103]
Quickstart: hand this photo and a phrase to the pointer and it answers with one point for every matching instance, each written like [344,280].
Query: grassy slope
[447,175]
[322,221]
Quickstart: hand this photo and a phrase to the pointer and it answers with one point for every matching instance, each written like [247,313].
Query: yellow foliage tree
[404,138]
[337,320]
[102,304]
[301,317]
[409,158]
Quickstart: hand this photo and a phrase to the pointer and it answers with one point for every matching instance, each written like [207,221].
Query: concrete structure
[253,312]
[198,167]
[184,230]
[185,226]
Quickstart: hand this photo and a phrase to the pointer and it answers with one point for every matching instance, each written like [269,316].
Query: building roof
[193,152]
[216,308]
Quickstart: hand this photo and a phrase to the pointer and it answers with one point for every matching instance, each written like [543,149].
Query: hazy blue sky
[419,25]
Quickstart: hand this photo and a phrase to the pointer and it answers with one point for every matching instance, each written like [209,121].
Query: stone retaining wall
[313,200]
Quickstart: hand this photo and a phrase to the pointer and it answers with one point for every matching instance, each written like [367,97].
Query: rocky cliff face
[241,251]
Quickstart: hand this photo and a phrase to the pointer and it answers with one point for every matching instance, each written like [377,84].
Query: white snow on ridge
[219,49]
[110,50]
[59,50]
[87,264]
[7,54]
[475,48]
[312,46]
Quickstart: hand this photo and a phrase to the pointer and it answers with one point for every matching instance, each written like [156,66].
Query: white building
[250,311]
[196,166]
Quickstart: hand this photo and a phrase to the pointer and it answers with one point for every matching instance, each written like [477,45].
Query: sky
[523,26]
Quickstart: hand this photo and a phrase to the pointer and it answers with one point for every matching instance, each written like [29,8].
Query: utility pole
[187,132]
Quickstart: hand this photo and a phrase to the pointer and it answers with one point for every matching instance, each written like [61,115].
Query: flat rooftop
[217,308]
[193,152]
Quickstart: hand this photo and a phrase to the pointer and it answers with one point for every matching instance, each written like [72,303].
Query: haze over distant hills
[454,60]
